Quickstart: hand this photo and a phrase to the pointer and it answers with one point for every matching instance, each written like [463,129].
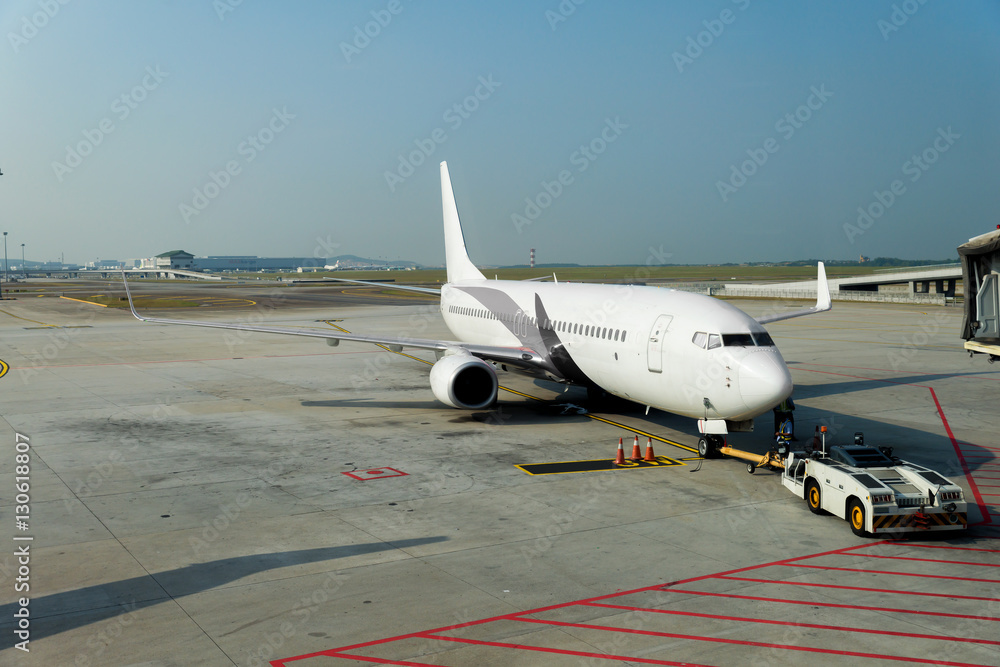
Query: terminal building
[182,260]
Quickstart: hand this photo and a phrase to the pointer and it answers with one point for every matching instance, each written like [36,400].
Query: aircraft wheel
[856,517]
[751,468]
[814,497]
[706,449]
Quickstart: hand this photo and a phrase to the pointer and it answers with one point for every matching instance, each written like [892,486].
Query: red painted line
[608,596]
[361,658]
[987,517]
[943,546]
[835,605]
[742,642]
[584,654]
[836,628]
[858,588]
[901,574]
[930,560]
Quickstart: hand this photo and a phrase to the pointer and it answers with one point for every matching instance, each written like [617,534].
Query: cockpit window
[759,339]
[700,339]
[714,341]
[737,340]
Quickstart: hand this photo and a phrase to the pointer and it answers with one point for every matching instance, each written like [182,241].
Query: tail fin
[460,267]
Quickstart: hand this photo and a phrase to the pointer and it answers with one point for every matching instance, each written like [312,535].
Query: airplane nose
[764,381]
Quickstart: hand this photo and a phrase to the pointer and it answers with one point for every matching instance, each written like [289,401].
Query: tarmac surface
[203,497]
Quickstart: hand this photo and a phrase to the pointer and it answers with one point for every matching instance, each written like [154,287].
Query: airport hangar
[204,498]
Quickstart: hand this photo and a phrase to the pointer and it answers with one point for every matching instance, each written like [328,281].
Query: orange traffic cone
[620,458]
[650,456]
[636,454]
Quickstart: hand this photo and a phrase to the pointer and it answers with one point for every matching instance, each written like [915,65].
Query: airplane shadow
[84,606]
[920,446]
[853,384]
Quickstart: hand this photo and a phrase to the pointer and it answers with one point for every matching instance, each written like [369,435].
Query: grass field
[599,274]
[141,302]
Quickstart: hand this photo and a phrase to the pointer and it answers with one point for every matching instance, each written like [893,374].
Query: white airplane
[680,352]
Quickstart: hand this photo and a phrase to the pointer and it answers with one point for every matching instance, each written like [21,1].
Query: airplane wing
[518,356]
[823,301]
[405,288]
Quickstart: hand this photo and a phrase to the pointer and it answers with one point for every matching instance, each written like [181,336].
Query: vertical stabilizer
[460,267]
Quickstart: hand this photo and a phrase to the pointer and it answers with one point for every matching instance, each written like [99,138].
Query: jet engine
[464,381]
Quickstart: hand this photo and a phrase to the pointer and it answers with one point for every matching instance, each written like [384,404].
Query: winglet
[823,301]
[459,266]
[128,293]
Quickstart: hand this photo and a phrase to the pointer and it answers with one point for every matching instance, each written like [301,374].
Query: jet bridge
[981,275]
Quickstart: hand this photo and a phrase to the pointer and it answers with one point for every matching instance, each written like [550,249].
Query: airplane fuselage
[681,352]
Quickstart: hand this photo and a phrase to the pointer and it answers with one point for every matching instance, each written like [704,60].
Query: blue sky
[598,133]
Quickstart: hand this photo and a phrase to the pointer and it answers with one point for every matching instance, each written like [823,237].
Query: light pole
[5,258]
[23,270]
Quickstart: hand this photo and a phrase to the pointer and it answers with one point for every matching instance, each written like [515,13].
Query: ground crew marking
[562,467]
[374,473]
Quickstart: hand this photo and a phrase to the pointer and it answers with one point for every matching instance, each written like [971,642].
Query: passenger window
[700,339]
[714,341]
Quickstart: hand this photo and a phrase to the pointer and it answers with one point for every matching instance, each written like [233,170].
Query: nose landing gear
[709,446]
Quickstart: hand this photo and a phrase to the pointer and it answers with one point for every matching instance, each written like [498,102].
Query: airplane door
[654,348]
[520,324]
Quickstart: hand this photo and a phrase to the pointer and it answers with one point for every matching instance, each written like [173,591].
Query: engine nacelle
[464,381]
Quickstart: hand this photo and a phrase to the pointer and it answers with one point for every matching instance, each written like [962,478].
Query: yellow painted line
[536,398]
[521,393]
[83,301]
[402,354]
[29,320]
[642,433]
[660,462]
[3,368]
